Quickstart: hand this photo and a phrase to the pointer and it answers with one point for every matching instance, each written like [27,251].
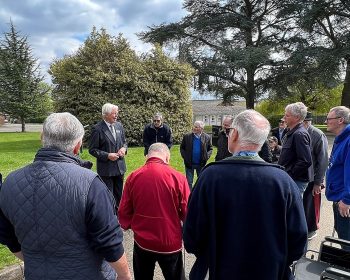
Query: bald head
[159,150]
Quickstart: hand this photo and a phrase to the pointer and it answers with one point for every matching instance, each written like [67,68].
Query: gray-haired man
[58,216]
[296,150]
[195,149]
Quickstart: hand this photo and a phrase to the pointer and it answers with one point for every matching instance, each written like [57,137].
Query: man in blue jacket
[245,218]
[338,172]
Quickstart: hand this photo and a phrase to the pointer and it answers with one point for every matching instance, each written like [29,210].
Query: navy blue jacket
[102,143]
[247,224]
[153,135]
[296,155]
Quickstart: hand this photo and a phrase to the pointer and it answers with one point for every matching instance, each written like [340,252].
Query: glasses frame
[328,119]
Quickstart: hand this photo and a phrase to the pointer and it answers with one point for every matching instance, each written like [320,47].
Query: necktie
[113,132]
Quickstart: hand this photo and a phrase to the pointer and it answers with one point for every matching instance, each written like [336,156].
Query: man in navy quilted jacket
[59,217]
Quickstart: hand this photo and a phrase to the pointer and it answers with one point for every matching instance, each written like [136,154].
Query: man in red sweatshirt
[153,204]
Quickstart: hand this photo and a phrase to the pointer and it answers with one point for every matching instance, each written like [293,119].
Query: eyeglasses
[157,121]
[327,119]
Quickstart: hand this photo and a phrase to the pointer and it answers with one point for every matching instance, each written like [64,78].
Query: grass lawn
[19,149]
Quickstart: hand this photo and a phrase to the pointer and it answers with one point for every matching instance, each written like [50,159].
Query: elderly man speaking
[245,218]
[58,216]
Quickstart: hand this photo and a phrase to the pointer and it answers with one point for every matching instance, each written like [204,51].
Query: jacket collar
[344,134]
[155,160]
[49,154]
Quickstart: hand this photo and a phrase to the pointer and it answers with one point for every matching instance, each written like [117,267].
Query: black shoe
[311,235]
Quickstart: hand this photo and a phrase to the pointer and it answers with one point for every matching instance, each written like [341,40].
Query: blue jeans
[190,174]
[341,225]
[301,186]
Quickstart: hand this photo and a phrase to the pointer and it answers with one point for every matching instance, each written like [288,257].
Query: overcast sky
[58,27]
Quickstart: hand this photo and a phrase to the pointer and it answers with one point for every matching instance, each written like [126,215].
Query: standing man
[153,205]
[296,150]
[338,172]
[58,216]
[312,195]
[279,131]
[195,149]
[253,215]
[108,146]
[222,151]
[157,132]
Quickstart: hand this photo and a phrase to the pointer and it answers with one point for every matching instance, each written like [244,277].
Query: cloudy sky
[58,27]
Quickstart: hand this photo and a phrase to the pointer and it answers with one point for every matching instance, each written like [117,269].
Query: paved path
[30,127]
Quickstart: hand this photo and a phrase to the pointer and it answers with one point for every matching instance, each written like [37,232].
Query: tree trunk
[250,97]
[345,97]
[23,125]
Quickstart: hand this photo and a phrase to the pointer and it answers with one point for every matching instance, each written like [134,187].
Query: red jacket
[153,204]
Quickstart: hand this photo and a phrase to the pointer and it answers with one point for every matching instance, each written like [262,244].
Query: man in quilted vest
[59,217]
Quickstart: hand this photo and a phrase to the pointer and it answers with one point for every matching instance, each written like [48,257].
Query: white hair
[199,123]
[252,127]
[228,117]
[108,108]
[62,131]
[342,112]
[297,109]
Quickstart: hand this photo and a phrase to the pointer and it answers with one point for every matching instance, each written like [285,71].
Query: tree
[106,69]
[234,45]
[328,25]
[20,92]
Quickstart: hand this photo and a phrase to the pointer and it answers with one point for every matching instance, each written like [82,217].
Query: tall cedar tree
[328,25]
[234,45]
[20,93]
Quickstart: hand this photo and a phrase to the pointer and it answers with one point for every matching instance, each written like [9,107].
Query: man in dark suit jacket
[108,145]
[195,149]
[279,131]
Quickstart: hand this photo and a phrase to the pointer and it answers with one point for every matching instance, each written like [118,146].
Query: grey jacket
[319,153]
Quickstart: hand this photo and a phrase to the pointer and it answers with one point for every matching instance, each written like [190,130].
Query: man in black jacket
[196,149]
[222,151]
[108,146]
[296,146]
[157,132]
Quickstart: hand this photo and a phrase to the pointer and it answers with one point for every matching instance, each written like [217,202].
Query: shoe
[311,235]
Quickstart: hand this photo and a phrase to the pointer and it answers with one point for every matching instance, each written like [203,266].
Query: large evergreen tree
[234,45]
[328,25]
[106,69]
[20,91]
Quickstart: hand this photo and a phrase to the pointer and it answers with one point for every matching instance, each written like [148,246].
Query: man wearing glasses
[279,131]
[338,172]
[157,132]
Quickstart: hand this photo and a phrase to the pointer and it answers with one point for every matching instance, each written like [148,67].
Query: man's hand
[121,152]
[343,209]
[113,156]
[316,190]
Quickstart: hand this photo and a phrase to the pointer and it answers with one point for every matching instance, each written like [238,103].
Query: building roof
[215,107]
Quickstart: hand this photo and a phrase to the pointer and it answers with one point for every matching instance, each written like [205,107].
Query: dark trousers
[144,263]
[115,185]
[312,208]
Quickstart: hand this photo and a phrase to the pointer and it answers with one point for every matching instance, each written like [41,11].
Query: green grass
[19,149]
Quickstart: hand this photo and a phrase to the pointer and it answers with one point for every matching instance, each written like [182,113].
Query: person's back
[247,224]
[41,192]
[252,222]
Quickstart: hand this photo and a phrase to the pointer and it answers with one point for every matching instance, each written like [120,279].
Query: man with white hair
[338,172]
[154,203]
[296,155]
[195,149]
[245,211]
[58,216]
[108,145]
